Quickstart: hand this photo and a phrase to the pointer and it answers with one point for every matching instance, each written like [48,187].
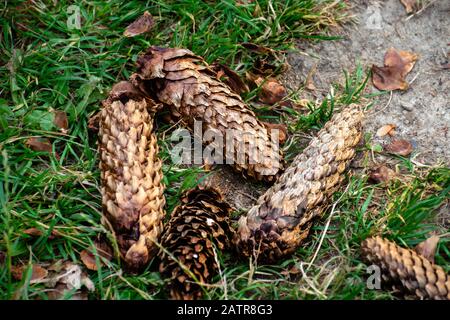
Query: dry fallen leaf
[293,271]
[88,259]
[381,174]
[386,129]
[257,48]
[88,256]
[399,147]
[397,64]
[65,277]
[272,91]
[282,130]
[269,65]
[39,144]
[61,277]
[61,121]
[37,233]
[73,277]
[231,78]
[60,290]
[104,250]
[244,2]
[410,5]
[427,248]
[37,272]
[141,25]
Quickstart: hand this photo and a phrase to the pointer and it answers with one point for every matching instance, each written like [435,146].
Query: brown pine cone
[282,216]
[198,227]
[408,271]
[189,87]
[132,191]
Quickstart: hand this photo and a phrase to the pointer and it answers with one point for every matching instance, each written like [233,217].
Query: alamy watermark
[373,18]
[73,17]
[212,146]
[374,280]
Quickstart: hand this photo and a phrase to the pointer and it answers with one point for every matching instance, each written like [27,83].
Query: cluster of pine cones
[187,245]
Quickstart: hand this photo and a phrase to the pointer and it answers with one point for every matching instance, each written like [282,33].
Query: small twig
[420,11]
[415,77]
[387,104]
[223,278]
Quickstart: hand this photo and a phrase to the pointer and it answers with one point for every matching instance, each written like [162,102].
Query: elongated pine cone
[189,87]
[408,271]
[197,228]
[282,216]
[132,191]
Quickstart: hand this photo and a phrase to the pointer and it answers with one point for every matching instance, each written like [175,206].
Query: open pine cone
[132,191]
[282,216]
[407,270]
[197,228]
[189,87]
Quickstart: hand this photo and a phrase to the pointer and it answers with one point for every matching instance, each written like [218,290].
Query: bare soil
[422,113]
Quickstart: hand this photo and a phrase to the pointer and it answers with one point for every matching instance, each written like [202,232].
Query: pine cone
[198,227]
[407,270]
[132,191]
[189,87]
[282,216]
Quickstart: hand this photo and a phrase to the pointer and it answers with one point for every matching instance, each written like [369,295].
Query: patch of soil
[422,113]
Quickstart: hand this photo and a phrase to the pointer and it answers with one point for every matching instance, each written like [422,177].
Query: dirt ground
[421,114]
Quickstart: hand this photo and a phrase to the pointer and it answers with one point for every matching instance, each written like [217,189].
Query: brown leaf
[39,144]
[60,290]
[141,25]
[61,121]
[397,64]
[94,121]
[88,256]
[244,2]
[88,259]
[263,66]
[272,91]
[410,5]
[37,233]
[231,78]
[381,174]
[257,48]
[65,277]
[427,248]
[386,129]
[282,130]
[60,277]
[399,147]
[293,271]
[37,272]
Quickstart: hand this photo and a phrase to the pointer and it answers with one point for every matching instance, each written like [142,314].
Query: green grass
[45,66]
